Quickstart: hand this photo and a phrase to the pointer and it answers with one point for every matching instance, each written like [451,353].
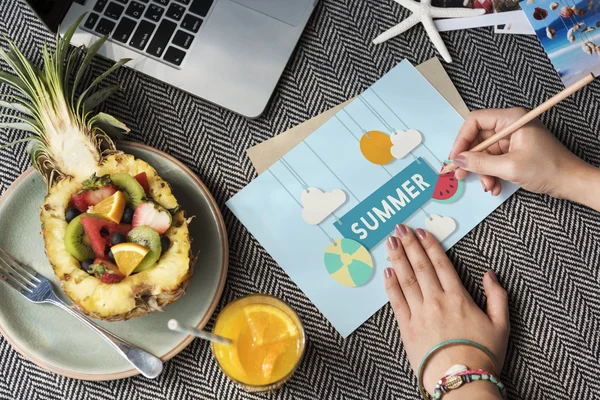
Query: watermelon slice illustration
[448,189]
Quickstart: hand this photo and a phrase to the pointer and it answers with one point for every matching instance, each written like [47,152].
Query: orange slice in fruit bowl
[128,256]
[269,324]
[112,207]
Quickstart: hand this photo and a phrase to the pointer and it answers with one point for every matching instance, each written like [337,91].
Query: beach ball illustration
[376,146]
[348,262]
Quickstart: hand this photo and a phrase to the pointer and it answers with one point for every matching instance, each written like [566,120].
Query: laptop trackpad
[289,11]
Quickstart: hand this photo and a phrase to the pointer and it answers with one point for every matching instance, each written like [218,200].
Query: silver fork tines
[16,274]
[37,289]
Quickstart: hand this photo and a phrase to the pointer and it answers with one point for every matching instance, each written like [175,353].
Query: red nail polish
[392,243]
[401,230]
[420,233]
[493,275]
[388,273]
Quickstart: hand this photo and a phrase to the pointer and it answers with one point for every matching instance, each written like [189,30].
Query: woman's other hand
[432,306]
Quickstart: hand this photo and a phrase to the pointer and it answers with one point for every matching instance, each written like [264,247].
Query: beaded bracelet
[455,381]
[440,346]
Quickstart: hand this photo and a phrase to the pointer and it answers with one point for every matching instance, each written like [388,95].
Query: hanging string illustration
[346,260]
[446,190]
[316,204]
[403,141]
[375,145]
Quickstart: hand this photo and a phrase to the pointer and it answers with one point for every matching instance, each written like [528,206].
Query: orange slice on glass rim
[269,324]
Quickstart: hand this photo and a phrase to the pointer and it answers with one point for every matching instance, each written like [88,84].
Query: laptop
[228,52]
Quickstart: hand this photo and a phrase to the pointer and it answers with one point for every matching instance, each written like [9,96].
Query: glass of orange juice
[268,342]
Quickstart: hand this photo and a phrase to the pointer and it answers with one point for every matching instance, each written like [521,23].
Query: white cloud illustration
[404,142]
[440,227]
[318,205]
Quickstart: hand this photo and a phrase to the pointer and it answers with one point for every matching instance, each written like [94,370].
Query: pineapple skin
[136,295]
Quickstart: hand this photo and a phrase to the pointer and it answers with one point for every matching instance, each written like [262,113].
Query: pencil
[545,106]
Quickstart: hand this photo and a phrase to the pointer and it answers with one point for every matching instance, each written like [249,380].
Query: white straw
[177,326]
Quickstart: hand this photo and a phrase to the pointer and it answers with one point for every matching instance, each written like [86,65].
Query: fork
[37,289]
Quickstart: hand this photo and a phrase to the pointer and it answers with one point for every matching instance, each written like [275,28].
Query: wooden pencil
[545,106]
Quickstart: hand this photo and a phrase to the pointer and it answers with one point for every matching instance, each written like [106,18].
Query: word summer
[406,192]
[371,220]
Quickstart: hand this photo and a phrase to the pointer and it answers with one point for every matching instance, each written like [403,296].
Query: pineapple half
[68,143]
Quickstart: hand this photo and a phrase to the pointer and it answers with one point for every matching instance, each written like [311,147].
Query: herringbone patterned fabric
[545,251]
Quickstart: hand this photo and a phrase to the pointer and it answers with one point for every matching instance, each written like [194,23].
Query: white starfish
[424,13]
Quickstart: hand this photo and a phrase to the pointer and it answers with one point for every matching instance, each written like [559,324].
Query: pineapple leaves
[94,100]
[108,125]
[7,145]
[43,104]
[99,79]
[23,69]
[16,107]
[22,126]
[16,83]
[62,46]
[89,55]
[75,53]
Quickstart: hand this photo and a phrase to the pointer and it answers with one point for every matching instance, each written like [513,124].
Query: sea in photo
[570,34]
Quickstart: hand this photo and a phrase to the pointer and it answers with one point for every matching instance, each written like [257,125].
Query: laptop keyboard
[162,29]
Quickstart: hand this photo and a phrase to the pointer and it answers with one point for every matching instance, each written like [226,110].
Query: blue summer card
[324,210]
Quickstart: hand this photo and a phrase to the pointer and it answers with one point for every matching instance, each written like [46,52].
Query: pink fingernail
[388,273]
[392,243]
[401,230]
[493,275]
[485,189]
[460,161]
[420,233]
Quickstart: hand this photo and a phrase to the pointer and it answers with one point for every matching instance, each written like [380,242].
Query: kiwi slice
[127,184]
[147,237]
[76,242]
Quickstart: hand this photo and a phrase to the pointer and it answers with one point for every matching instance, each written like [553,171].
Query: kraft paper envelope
[265,154]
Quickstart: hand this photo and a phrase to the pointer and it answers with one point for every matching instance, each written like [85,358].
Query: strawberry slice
[95,196]
[111,277]
[78,201]
[142,179]
[152,215]
[106,271]
[100,233]
[95,189]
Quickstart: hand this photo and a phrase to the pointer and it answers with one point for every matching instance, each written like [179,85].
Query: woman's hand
[531,157]
[431,306]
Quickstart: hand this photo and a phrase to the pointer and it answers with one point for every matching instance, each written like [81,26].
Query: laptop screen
[52,12]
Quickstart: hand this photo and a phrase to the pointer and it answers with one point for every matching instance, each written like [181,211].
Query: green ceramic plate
[56,341]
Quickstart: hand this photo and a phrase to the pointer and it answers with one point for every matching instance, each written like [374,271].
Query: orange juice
[268,342]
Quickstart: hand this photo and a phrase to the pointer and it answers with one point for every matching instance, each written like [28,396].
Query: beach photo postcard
[569,32]
[496,12]
[325,209]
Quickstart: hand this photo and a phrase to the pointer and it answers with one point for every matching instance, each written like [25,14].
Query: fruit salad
[115,227]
